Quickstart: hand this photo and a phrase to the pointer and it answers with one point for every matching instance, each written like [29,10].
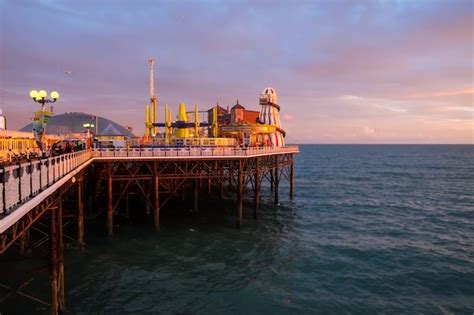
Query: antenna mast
[153,101]
[151,61]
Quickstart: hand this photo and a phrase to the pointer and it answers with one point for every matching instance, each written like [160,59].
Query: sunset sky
[344,71]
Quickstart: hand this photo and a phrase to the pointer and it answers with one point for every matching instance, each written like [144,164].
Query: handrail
[23,181]
[191,151]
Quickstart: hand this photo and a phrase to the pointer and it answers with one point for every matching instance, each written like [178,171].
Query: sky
[345,71]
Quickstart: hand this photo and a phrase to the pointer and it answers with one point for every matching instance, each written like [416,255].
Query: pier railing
[22,182]
[193,151]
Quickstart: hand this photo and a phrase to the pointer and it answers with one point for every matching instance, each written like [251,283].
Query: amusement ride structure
[229,128]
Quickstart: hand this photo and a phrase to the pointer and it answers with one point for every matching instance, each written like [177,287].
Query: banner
[40,121]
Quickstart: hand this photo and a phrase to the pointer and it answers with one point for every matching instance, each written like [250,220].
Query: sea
[373,229]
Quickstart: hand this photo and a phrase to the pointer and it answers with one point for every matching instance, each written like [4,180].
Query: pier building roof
[72,122]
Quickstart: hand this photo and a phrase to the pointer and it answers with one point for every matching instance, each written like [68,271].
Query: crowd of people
[58,148]
[65,147]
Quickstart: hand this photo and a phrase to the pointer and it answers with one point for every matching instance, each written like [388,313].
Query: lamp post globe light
[42,117]
[40,97]
[88,126]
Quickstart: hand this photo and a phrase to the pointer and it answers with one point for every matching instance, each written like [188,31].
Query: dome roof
[73,123]
[271,95]
[269,90]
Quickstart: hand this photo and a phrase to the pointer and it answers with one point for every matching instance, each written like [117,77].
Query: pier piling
[195,195]
[276,181]
[110,207]
[60,252]
[256,200]
[292,179]
[80,211]
[54,262]
[272,181]
[240,194]
[156,209]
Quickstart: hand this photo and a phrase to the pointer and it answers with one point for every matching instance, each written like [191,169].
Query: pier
[229,153]
[34,191]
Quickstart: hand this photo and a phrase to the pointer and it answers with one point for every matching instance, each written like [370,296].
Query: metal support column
[80,211]
[272,180]
[53,237]
[240,194]
[221,189]
[24,241]
[276,181]
[127,205]
[195,195]
[148,190]
[292,178]
[256,195]
[61,299]
[110,206]
[156,209]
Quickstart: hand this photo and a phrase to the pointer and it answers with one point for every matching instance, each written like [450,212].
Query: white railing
[25,135]
[21,182]
[192,151]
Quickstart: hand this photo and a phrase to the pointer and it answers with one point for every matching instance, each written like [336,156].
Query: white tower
[153,100]
[151,61]
[3,121]
[270,115]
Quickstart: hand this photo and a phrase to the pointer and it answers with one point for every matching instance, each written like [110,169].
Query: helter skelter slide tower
[270,115]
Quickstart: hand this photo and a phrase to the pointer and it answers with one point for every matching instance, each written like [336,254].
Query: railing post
[48,162]
[31,179]
[40,175]
[4,200]
[19,182]
[54,170]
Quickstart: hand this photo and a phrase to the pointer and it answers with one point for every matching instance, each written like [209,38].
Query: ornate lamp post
[42,117]
[88,126]
[40,97]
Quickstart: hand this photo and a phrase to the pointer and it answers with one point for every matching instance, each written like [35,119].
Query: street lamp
[42,117]
[88,126]
[40,97]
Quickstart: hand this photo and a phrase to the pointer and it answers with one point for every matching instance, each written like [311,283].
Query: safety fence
[192,151]
[22,182]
